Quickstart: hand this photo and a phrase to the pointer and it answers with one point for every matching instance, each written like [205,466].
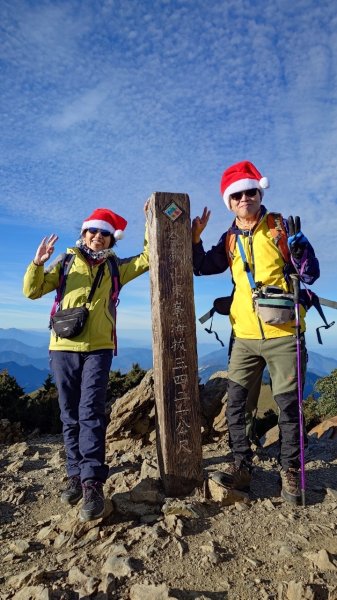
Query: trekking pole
[293,229]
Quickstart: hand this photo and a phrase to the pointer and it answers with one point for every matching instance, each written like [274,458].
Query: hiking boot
[93,500]
[290,482]
[73,492]
[236,477]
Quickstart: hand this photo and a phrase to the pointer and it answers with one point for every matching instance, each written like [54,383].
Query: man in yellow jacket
[257,264]
[81,363]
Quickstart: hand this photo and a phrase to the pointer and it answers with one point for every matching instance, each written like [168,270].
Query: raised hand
[199,224]
[45,249]
[297,241]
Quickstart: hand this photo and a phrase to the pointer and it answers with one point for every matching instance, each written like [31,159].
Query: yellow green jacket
[269,266]
[98,332]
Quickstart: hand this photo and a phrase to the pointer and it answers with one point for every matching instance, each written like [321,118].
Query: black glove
[297,242]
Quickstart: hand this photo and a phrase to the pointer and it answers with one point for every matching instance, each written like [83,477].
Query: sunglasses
[249,193]
[103,232]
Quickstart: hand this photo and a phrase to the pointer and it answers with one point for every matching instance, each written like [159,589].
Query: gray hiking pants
[247,359]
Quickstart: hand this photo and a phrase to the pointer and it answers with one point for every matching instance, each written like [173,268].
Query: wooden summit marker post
[174,343]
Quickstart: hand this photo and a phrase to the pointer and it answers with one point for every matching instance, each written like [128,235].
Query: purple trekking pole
[293,229]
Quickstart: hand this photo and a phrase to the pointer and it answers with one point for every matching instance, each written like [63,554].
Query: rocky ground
[211,545]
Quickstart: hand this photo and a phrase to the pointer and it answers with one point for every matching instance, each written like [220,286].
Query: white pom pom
[264,183]
[119,234]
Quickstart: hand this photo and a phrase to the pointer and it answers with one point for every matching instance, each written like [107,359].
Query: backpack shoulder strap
[230,241]
[278,231]
[66,261]
[115,289]
[114,274]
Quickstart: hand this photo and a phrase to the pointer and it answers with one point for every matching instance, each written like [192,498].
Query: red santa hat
[240,177]
[103,218]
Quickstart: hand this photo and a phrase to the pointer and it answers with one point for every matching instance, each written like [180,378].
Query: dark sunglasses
[103,232]
[249,193]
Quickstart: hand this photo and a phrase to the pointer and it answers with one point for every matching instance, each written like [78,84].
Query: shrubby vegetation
[325,406]
[11,395]
[327,390]
[310,412]
[40,409]
[120,384]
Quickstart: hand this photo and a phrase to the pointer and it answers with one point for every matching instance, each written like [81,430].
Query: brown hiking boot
[291,486]
[236,477]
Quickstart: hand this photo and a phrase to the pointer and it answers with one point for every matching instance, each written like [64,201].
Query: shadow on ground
[189,595]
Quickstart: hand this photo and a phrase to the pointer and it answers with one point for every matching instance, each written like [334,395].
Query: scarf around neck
[91,255]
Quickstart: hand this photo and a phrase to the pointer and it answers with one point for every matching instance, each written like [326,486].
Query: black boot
[93,500]
[73,492]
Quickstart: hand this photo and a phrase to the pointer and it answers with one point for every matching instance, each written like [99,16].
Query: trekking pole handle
[294,226]
[296,287]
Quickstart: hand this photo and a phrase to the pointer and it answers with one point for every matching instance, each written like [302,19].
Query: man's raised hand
[199,224]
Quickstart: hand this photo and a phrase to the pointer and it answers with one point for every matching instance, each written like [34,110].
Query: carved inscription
[174,344]
[182,399]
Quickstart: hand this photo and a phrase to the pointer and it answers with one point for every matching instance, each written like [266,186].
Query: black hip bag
[70,322]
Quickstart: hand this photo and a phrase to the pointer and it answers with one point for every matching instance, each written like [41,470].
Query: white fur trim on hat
[98,224]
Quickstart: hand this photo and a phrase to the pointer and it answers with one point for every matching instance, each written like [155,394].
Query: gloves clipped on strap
[297,242]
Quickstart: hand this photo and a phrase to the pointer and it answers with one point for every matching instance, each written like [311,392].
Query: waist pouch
[223,305]
[273,305]
[70,322]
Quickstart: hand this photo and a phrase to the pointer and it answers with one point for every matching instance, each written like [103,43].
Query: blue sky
[105,101]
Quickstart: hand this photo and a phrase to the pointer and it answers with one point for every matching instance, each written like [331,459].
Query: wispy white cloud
[85,108]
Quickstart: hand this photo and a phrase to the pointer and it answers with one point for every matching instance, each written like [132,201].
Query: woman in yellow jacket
[81,363]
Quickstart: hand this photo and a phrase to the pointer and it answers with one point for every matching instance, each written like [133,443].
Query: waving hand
[45,249]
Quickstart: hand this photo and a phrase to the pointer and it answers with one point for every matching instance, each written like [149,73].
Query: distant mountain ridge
[28,377]
[26,336]
[29,364]
[25,355]
[23,360]
[10,345]
[322,365]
